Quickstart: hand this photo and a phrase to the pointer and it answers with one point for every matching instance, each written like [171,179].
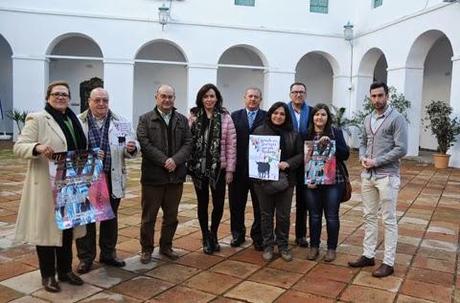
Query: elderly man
[300,116]
[166,143]
[245,120]
[115,137]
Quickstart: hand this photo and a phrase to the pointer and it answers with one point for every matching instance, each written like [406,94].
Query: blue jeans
[324,198]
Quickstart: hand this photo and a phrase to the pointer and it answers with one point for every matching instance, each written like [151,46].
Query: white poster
[264,157]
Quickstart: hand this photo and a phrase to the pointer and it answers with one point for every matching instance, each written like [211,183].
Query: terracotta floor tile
[7,294]
[188,243]
[255,292]
[199,260]
[275,277]
[320,286]
[212,282]
[426,291]
[433,264]
[142,287]
[235,268]
[333,272]
[293,296]
[226,300]
[390,283]
[296,265]
[184,295]
[109,297]
[249,255]
[11,269]
[407,299]
[430,276]
[362,294]
[174,273]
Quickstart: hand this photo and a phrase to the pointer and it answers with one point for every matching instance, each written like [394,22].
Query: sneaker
[286,255]
[268,254]
[146,257]
[313,253]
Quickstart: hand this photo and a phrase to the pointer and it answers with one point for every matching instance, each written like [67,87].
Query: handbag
[347,190]
[273,187]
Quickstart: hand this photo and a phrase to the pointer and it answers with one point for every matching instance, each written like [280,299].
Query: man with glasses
[166,143]
[115,137]
[245,120]
[383,144]
[300,116]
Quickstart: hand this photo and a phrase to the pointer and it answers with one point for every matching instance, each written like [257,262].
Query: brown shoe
[169,253]
[313,253]
[146,257]
[362,262]
[330,255]
[83,267]
[383,271]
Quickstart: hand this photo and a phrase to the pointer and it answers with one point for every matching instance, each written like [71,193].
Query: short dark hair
[297,83]
[287,125]
[327,127]
[56,83]
[203,90]
[379,84]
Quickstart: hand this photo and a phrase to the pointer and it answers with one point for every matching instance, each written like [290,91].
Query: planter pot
[441,160]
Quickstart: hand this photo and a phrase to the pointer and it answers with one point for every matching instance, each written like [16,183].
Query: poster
[320,162]
[79,189]
[264,157]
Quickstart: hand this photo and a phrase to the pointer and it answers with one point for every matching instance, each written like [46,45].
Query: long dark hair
[287,125]
[327,127]
[203,90]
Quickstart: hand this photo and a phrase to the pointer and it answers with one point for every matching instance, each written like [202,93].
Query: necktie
[251,117]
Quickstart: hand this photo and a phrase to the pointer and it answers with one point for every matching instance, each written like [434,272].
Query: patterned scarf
[99,138]
[205,156]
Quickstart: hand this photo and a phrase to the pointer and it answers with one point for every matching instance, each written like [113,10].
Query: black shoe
[362,262]
[208,247]
[215,242]
[112,262]
[51,284]
[258,246]
[302,242]
[71,278]
[83,267]
[237,241]
[169,253]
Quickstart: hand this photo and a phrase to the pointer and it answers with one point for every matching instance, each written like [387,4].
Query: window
[319,6]
[377,3]
[245,2]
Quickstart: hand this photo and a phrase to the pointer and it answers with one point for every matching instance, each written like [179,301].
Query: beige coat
[36,223]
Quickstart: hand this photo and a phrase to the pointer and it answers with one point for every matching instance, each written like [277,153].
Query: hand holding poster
[264,157]
[320,162]
[79,189]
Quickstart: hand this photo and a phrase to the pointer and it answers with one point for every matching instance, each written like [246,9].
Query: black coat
[240,119]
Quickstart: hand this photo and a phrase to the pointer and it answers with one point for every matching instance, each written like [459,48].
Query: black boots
[210,243]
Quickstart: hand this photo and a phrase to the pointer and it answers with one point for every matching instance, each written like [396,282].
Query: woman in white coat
[55,129]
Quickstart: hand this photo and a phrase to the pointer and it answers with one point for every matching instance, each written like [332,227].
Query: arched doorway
[6,86]
[75,58]
[239,67]
[159,62]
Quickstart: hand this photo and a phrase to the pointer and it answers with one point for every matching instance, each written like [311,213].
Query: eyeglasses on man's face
[298,92]
[64,95]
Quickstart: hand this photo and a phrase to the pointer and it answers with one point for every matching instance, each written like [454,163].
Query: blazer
[240,119]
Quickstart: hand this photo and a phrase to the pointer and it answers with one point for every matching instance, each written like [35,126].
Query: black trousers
[300,205]
[238,196]
[218,196]
[56,258]
[108,236]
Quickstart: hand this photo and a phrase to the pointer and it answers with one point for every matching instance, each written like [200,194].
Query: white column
[341,95]
[30,79]
[198,75]
[119,82]
[276,86]
[361,84]
[455,103]
[409,81]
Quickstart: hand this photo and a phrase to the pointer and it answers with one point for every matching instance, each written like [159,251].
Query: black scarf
[59,117]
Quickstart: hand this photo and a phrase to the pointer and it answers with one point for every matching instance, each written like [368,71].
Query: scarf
[99,138]
[205,156]
[80,139]
[304,117]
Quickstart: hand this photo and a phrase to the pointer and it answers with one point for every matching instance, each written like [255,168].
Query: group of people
[211,145]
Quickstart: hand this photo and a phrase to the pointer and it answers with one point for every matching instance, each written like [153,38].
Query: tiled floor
[427,266]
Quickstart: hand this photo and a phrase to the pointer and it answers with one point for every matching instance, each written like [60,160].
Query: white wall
[6,85]
[436,83]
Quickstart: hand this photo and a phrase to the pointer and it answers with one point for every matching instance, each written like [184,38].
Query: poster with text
[264,157]
[320,162]
[79,189]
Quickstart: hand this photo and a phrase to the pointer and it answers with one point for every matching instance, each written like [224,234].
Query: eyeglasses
[164,96]
[100,100]
[298,92]
[64,95]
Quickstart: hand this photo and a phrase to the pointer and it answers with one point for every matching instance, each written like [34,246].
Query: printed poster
[264,157]
[79,189]
[320,162]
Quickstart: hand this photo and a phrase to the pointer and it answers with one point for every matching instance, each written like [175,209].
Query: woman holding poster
[324,192]
[55,129]
[213,159]
[278,204]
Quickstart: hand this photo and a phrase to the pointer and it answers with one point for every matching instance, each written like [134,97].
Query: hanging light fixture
[348,31]
[163,15]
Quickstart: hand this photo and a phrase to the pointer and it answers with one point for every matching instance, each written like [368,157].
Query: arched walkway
[6,85]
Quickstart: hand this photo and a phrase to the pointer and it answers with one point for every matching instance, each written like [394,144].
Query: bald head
[99,102]
[165,97]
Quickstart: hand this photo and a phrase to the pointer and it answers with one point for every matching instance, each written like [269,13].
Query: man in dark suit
[245,120]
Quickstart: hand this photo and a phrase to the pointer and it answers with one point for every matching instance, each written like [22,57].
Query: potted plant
[19,117]
[340,121]
[444,128]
